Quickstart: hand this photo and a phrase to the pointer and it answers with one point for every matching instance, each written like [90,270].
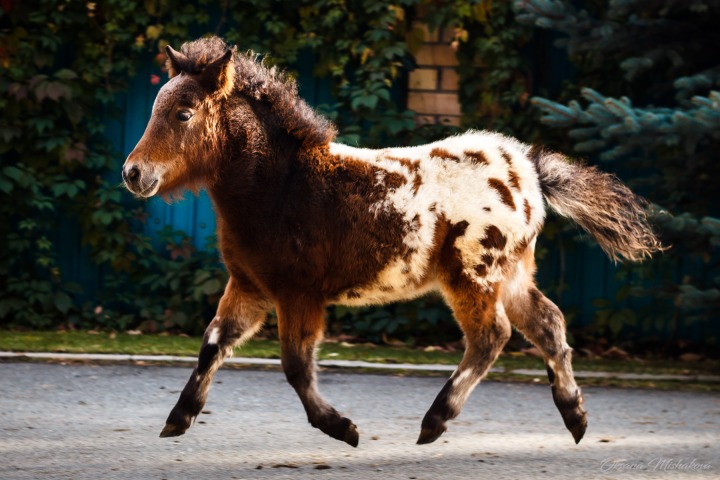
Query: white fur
[460,191]
[214,336]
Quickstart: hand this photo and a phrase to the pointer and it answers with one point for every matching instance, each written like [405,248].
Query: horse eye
[184,115]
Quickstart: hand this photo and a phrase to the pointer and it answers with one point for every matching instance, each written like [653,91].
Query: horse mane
[271,85]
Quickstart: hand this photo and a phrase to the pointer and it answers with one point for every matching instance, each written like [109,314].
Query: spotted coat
[498,199]
[304,222]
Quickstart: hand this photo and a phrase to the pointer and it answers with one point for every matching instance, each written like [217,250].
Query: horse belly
[383,293]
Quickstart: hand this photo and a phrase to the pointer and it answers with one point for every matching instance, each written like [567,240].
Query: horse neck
[260,162]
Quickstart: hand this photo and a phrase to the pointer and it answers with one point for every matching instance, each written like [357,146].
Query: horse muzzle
[144,184]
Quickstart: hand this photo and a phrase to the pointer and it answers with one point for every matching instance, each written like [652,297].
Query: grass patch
[122,343]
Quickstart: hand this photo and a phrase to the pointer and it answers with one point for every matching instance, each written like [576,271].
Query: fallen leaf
[690,357]
[616,352]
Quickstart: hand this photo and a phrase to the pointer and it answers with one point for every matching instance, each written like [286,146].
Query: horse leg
[238,317]
[543,324]
[487,330]
[300,327]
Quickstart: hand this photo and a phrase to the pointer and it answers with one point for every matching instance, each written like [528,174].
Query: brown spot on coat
[444,154]
[521,246]
[506,156]
[493,238]
[528,211]
[487,259]
[450,257]
[417,183]
[413,167]
[352,294]
[514,179]
[481,270]
[505,194]
[477,157]
[394,180]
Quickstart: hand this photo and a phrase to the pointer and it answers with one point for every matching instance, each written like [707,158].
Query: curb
[348,364]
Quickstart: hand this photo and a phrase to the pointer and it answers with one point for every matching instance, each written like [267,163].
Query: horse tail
[598,202]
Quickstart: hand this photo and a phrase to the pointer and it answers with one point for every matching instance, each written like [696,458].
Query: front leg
[300,325]
[239,316]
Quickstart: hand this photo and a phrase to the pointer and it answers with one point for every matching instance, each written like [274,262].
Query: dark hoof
[339,428]
[172,430]
[352,437]
[176,424]
[577,424]
[432,428]
[575,419]
[573,414]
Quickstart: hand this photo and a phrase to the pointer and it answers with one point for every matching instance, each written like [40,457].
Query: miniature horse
[304,222]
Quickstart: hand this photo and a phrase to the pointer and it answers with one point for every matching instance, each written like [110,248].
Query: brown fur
[494,238]
[444,154]
[503,191]
[477,158]
[514,179]
[528,211]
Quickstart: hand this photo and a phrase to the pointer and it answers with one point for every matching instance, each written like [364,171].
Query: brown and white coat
[304,222]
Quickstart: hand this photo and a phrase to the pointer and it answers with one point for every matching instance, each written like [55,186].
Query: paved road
[102,422]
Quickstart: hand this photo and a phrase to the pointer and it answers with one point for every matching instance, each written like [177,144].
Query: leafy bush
[64,66]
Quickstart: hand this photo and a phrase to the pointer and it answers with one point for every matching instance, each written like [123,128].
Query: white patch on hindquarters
[455,189]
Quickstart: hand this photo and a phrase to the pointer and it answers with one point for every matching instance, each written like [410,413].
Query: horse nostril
[132,174]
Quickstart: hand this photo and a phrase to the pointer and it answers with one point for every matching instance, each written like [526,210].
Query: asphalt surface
[102,422]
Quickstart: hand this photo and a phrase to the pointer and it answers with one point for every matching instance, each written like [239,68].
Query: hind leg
[487,330]
[543,324]
[239,316]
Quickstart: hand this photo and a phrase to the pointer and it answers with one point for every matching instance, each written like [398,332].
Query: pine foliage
[650,110]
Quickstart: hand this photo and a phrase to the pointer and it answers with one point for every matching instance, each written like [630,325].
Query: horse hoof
[172,430]
[345,430]
[577,427]
[573,414]
[431,431]
[339,428]
[352,437]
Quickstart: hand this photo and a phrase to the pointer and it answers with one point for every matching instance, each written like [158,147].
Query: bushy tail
[599,203]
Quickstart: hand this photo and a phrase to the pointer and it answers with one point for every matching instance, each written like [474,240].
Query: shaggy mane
[270,85]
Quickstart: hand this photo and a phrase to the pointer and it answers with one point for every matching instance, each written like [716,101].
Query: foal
[304,222]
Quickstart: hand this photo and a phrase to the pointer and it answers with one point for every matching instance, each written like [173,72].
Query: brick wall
[433,85]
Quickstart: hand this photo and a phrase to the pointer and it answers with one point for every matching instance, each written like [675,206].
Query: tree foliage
[650,108]
[64,68]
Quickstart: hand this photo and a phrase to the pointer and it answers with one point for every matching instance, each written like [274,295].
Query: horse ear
[219,75]
[174,62]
